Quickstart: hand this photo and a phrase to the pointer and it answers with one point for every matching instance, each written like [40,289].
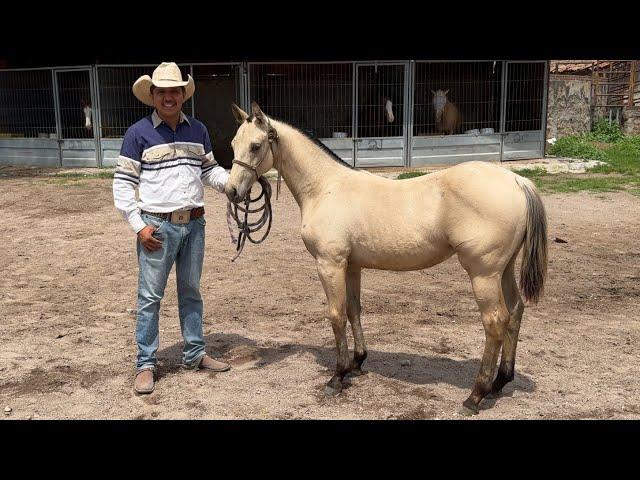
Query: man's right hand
[148,240]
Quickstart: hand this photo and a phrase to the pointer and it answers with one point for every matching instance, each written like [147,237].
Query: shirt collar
[155,118]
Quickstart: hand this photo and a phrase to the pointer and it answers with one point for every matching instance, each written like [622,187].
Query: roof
[577,67]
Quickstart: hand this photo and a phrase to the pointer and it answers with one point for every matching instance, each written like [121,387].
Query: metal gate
[75,101]
[471,129]
[381,97]
[28,129]
[315,97]
[524,110]
[217,87]
[118,108]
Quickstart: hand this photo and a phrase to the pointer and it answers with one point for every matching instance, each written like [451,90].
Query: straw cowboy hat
[166,75]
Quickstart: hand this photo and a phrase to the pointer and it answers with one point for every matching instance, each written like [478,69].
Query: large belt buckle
[180,216]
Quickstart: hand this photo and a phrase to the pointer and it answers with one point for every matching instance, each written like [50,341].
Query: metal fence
[525,94]
[369,113]
[472,88]
[27,108]
[316,98]
[218,86]
[119,108]
[380,100]
[74,103]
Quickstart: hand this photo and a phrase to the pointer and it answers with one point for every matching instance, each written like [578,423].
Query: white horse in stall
[86,109]
[388,108]
[447,114]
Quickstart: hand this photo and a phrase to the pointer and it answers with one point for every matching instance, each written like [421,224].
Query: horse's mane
[326,150]
[317,142]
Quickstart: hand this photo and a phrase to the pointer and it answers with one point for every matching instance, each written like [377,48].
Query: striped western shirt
[168,168]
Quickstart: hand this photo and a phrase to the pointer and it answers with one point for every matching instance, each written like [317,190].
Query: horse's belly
[400,255]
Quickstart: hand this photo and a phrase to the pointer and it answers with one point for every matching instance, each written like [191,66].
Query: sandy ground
[67,310]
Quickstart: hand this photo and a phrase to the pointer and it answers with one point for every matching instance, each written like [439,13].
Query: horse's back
[483,187]
[477,176]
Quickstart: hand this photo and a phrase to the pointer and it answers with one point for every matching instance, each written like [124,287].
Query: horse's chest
[309,237]
[323,236]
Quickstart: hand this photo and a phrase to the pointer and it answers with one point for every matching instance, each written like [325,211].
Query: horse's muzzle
[232,194]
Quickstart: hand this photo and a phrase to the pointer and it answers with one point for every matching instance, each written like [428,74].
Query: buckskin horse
[352,219]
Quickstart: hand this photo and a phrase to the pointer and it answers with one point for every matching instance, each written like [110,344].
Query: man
[168,157]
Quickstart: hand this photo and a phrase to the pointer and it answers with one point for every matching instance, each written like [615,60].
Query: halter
[272,135]
[246,228]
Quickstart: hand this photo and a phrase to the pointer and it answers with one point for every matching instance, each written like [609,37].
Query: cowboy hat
[166,75]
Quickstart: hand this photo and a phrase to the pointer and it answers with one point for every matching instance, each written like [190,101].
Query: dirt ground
[68,299]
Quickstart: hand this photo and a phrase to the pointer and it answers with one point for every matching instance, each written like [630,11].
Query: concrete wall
[568,111]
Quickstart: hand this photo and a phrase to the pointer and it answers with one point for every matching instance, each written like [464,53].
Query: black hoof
[494,393]
[469,409]
[334,387]
[501,380]
[330,391]
[356,372]
[467,412]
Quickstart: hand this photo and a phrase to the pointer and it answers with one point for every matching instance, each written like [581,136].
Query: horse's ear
[255,109]
[240,114]
[446,91]
[272,134]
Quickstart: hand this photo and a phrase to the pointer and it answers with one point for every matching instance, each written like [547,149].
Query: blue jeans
[182,244]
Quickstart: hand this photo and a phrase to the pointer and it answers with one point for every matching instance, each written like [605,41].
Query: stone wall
[631,120]
[568,107]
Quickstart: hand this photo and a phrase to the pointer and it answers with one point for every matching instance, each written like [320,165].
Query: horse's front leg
[332,273]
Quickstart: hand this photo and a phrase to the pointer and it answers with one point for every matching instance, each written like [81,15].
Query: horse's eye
[255,147]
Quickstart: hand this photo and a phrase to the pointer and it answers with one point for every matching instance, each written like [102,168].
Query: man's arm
[126,180]
[212,173]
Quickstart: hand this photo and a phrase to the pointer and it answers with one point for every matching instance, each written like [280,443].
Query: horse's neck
[304,166]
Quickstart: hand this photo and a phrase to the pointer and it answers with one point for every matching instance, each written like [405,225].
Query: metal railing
[27,108]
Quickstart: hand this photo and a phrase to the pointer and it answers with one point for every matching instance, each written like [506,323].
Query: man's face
[168,101]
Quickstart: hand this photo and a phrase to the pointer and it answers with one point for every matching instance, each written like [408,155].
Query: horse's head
[86,108]
[252,151]
[439,101]
[388,109]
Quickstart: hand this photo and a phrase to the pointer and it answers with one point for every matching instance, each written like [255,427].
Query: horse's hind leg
[516,308]
[333,278]
[495,316]
[353,313]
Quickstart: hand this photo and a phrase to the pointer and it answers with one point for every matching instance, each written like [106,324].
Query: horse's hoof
[467,412]
[356,372]
[493,395]
[469,408]
[330,391]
